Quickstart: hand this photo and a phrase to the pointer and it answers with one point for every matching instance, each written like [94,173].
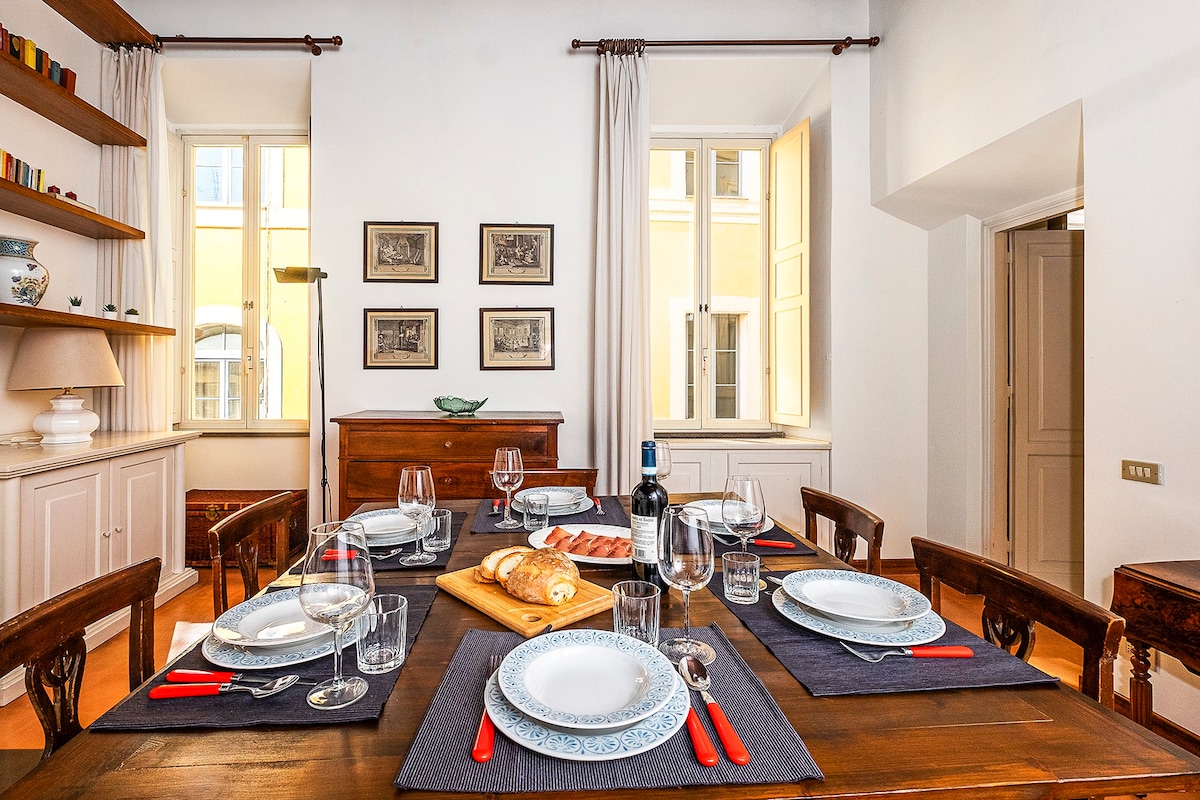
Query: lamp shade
[62,358]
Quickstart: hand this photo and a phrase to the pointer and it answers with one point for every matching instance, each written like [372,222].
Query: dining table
[1024,741]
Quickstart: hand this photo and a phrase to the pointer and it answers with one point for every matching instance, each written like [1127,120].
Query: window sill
[743,442]
[244,432]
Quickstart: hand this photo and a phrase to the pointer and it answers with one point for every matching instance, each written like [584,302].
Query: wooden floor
[106,677]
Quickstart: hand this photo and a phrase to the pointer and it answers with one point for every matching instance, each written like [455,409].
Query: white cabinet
[781,464]
[71,514]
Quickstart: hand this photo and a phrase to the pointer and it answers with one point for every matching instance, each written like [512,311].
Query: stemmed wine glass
[662,456]
[743,507]
[685,561]
[416,499]
[508,472]
[336,585]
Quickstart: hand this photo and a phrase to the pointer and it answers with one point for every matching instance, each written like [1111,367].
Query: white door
[64,514]
[1047,421]
[141,503]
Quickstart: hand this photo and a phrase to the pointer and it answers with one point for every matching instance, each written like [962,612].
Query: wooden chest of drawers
[373,446]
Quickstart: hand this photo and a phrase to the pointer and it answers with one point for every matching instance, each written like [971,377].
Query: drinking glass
[662,451]
[685,561]
[336,585]
[635,610]
[416,500]
[440,531]
[508,472]
[743,507]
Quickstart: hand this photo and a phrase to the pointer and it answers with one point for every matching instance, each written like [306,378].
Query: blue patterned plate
[712,509]
[231,656]
[386,527]
[855,596]
[602,745]
[922,630]
[587,679]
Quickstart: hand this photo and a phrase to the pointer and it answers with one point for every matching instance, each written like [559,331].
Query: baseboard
[1175,734]
[12,685]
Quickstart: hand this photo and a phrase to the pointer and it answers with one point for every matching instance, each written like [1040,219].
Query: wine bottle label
[645,538]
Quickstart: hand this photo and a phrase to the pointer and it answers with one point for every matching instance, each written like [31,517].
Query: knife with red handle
[706,753]
[940,651]
[186,690]
[209,676]
[729,739]
[773,543]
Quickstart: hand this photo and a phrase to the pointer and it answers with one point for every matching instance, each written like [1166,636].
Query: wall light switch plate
[1143,471]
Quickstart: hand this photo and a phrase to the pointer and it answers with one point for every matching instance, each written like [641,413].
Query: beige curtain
[136,273]
[622,412]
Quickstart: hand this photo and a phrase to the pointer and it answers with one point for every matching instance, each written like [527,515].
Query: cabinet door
[691,471]
[64,516]
[781,475]
[142,489]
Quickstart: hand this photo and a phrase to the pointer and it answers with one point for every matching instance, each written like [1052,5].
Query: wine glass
[416,500]
[685,561]
[743,507]
[336,585]
[662,457]
[508,472]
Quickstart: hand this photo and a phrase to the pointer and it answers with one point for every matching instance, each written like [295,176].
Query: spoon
[695,675]
[202,689]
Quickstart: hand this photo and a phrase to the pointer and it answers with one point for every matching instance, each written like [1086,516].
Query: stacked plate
[586,695]
[712,508]
[564,500]
[858,607]
[268,631]
[386,527]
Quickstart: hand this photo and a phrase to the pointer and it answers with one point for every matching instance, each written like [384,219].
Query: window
[708,262]
[247,363]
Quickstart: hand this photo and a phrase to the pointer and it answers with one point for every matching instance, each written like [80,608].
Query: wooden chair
[562,477]
[238,533]
[850,523]
[48,641]
[1014,601]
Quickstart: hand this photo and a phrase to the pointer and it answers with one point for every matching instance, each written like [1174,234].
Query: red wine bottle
[649,500]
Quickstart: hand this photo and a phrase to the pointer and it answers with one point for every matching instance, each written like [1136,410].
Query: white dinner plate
[855,596]
[268,621]
[587,679]
[583,745]
[559,496]
[237,658]
[712,508]
[538,539]
[386,526]
[922,630]
[585,504]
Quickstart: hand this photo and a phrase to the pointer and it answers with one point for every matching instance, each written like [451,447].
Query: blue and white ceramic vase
[24,281]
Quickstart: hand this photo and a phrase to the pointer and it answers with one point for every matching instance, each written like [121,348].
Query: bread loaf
[545,576]
[486,571]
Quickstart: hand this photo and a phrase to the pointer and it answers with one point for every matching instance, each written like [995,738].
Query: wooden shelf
[42,207]
[31,317]
[103,20]
[45,97]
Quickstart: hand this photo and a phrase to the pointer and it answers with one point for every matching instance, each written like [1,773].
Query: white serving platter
[538,539]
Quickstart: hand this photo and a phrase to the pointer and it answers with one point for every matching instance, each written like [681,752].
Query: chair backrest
[48,641]
[1013,601]
[562,477]
[239,533]
[850,523]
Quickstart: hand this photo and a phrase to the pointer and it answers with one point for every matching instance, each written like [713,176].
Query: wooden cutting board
[527,619]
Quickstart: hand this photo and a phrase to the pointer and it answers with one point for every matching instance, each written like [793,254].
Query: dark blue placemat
[440,756]
[614,514]
[825,668]
[457,519]
[801,548]
[138,712]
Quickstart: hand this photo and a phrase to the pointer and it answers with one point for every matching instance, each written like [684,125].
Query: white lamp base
[68,423]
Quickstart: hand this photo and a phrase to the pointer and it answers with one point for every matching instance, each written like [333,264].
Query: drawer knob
[107,534]
[449,444]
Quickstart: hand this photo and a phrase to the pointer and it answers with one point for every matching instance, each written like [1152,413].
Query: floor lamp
[315,275]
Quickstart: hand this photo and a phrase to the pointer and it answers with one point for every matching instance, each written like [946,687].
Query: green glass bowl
[457,407]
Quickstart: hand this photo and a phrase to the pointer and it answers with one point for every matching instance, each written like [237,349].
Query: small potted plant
[131,314]
[109,311]
[75,304]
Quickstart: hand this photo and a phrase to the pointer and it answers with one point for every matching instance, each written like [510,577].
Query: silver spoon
[388,554]
[202,689]
[695,675]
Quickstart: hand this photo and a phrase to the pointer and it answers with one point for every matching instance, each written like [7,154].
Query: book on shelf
[29,53]
[72,201]
[68,80]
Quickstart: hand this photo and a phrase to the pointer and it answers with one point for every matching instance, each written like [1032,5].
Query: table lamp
[63,358]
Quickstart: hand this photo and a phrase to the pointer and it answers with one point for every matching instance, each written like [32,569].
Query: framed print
[516,338]
[400,338]
[400,252]
[516,254]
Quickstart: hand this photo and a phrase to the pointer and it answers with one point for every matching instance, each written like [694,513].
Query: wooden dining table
[1013,742]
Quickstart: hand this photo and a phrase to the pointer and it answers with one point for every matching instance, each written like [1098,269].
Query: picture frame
[400,252]
[516,254]
[516,338]
[395,338]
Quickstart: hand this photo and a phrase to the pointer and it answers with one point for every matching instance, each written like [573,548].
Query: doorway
[1041,300]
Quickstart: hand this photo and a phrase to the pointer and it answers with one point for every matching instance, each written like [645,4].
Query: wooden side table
[1160,602]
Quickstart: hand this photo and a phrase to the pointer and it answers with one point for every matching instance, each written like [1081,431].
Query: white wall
[938,103]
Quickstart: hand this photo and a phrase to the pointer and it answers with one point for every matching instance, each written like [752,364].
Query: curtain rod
[838,45]
[313,44]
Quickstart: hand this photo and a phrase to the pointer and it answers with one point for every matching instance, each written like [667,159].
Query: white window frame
[704,421]
[252,358]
